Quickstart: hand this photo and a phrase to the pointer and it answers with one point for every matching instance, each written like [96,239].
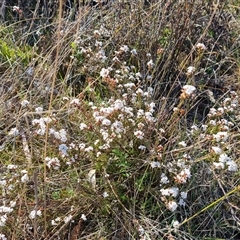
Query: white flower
[221,136]
[34,213]
[165,192]
[3,219]
[124,48]
[116,59]
[155,164]
[175,224]
[104,146]
[212,112]
[68,218]
[164,178]
[221,111]
[13,132]
[183,195]
[152,105]
[39,109]
[181,202]
[212,122]
[10,187]
[102,29]
[142,147]
[105,194]
[141,231]
[98,44]
[217,150]
[65,98]
[16,8]
[139,91]
[188,89]
[172,206]
[140,125]
[117,126]
[104,73]
[175,109]
[3,183]
[134,51]
[2,237]
[218,165]
[150,64]
[83,126]
[72,146]
[149,77]
[12,166]
[83,217]
[138,75]
[52,162]
[183,176]
[190,70]
[12,204]
[96,33]
[55,221]
[101,55]
[105,111]
[183,144]
[224,158]
[4,209]
[187,172]
[174,191]
[75,102]
[61,135]
[105,134]
[140,113]
[201,46]
[81,146]
[24,178]
[106,122]
[24,103]
[128,85]
[88,149]
[194,128]
[149,117]
[161,130]
[147,94]
[47,119]
[139,134]
[42,125]
[129,111]
[232,166]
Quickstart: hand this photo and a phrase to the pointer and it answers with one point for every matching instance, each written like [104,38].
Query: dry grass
[100,137]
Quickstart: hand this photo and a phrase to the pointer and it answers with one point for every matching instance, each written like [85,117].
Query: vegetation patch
[121,121]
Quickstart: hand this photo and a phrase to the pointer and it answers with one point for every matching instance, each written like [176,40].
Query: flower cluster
[187,91]
[34,213]
[4,212]
[41,123]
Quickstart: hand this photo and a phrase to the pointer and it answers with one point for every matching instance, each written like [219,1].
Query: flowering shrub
[127,149]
